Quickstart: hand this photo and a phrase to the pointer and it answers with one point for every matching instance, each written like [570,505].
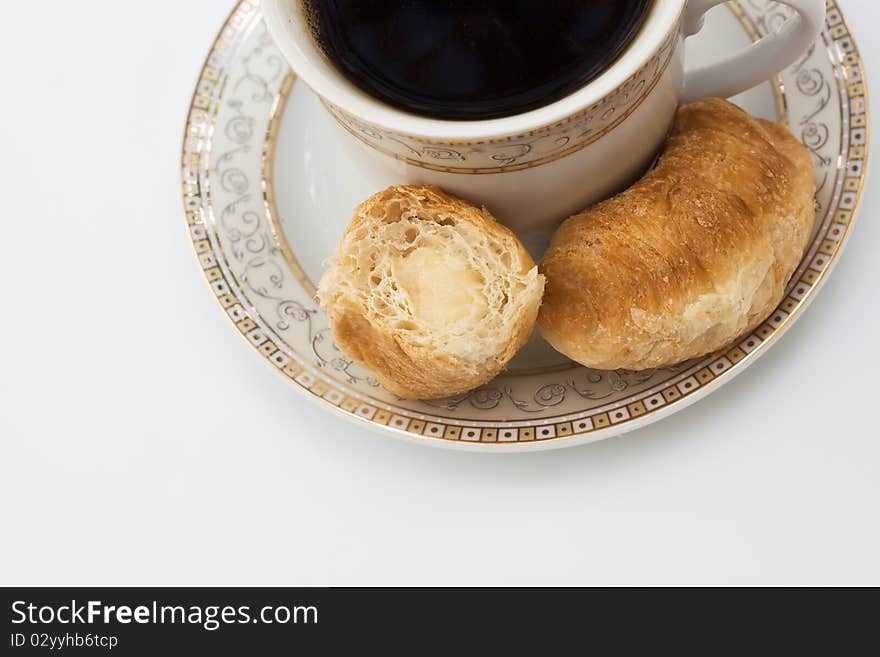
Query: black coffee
[473,59]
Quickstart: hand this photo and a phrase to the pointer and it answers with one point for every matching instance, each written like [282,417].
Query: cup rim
[284,21]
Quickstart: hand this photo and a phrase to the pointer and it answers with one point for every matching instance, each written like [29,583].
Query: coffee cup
[535,168]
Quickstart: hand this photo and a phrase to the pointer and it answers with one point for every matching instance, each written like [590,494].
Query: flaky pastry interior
[430,293]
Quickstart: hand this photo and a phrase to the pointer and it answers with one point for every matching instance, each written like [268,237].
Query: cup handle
[758,62]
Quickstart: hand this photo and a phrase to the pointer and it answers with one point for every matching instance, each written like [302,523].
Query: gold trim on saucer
[270,144]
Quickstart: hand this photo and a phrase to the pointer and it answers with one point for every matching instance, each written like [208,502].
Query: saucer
[269,185]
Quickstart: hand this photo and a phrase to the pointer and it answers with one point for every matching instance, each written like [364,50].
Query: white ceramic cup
[534,169]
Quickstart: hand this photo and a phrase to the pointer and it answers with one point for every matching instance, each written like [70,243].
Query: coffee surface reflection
[473,59]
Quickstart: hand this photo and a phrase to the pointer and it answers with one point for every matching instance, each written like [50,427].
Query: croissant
[694,255]
[429,293]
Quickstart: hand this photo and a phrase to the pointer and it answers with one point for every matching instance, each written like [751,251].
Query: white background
[144,442]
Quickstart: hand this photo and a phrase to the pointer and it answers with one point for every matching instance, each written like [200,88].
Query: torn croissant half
[429,293]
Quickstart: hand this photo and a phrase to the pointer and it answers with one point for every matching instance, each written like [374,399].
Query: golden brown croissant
[693,256]
[430,293]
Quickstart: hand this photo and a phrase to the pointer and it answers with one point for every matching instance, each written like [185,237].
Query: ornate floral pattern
[525,150]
